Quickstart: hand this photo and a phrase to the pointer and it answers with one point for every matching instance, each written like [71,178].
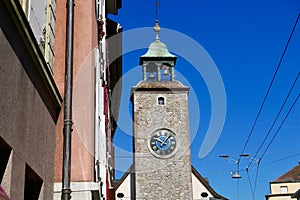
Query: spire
[158,63]
[156,12]
[156,27]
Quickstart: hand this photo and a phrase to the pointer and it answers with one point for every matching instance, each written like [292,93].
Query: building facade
[96,71]
[285,186]
[30,101]
[32,64]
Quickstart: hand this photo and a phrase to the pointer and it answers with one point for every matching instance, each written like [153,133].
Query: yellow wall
[291,189]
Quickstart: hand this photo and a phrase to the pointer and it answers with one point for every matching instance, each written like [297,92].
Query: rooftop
[291,176]
[157,49]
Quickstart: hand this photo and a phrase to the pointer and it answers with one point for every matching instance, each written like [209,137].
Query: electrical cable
[279,128]
[251,187]
[276,118]
[276,133]
[261,165]
[256,177]
[270,86]
[281,159]
[260,110]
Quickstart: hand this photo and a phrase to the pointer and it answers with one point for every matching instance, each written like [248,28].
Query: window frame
[161,101]
[284,189]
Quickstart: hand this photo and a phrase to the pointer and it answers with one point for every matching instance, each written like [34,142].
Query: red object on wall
[3,195]
[107,185]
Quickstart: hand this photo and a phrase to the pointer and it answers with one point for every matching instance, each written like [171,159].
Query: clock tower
[161,139]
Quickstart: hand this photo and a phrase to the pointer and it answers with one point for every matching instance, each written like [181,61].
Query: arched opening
[161,101]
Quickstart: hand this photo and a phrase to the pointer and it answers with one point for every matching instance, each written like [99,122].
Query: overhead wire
[274,136]
[250,183]
[253,189]
[276,133]
[270,86]
[256,177]
[281,159]
[218,173]
[276,118]
[280,126]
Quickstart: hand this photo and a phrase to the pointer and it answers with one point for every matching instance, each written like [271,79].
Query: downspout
[66,190]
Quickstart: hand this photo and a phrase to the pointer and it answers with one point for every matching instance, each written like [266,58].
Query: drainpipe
[66,190]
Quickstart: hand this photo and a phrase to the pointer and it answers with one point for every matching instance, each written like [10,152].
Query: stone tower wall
[157,178]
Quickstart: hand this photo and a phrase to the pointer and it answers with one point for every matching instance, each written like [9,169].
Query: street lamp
[236,174]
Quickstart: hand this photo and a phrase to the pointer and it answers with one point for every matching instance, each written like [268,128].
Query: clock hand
[165,140]
[158,139]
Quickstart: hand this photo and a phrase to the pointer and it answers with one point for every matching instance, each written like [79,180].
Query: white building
[201,188]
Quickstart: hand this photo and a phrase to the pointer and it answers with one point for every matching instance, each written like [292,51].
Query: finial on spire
[156,30]
[157,4]
[156,27]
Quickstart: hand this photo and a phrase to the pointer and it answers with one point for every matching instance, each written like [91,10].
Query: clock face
[162,143]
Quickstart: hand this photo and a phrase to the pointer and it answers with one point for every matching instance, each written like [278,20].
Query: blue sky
[245,40]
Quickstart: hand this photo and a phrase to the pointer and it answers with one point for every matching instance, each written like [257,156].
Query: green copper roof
[157,49]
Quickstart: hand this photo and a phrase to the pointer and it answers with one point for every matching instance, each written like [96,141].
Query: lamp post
[236,174]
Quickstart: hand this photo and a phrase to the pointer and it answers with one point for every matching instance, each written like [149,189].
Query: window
[120,195]
[33,184]
[283,189]
[5,151]
[161,101]
[204,194]
[25,5]
[95,195]
[41,17]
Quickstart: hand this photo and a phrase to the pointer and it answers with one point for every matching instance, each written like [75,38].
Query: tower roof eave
[157,58]
[159,86]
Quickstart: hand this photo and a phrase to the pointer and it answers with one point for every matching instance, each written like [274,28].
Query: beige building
[284,187]
[296,195]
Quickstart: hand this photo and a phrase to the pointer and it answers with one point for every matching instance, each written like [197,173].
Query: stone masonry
[155,177]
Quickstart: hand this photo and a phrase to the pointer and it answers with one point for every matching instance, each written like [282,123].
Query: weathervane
[156,12]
